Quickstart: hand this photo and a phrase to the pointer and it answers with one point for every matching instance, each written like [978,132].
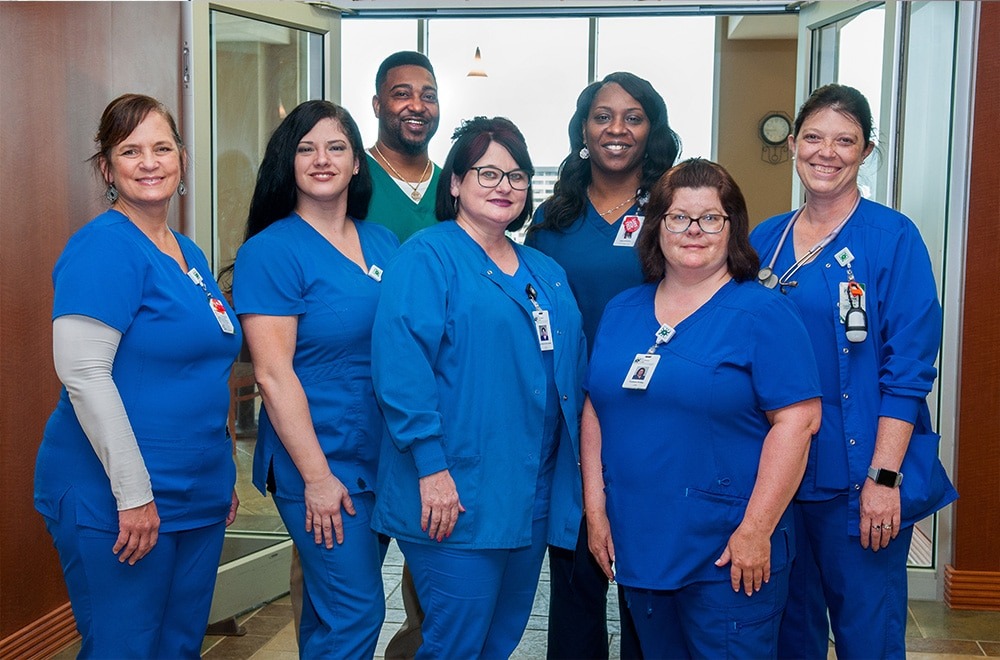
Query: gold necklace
[416,194]
[614,208]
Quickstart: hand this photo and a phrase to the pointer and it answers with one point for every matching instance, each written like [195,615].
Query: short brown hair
[741,259]
[120,118]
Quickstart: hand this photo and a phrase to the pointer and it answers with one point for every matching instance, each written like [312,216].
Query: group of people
[717,421]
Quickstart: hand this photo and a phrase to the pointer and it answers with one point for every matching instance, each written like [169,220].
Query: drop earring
[585,153]
[111,193]
[181,188]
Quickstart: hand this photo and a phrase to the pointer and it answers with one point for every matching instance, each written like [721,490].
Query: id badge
[543,329]
[628,232]
[375,273]
[221,315]
[641,371]
[845,299]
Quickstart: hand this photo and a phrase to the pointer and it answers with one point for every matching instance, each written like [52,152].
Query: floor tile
[937,620]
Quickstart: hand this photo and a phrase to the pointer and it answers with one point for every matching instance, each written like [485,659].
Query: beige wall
[755,77]
[60,64]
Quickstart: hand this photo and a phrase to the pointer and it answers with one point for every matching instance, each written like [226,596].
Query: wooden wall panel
[61,64]
[977,512]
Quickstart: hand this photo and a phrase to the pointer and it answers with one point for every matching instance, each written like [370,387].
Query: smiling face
[324,164]
[407,109]
[616,130]
[489,210]
[829,150]
[146,166]
[693,249]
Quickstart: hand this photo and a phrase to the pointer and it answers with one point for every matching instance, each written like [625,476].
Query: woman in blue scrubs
[305,284]
[135,472]
[688,470]
[479,469]
[620,144]
[860,277]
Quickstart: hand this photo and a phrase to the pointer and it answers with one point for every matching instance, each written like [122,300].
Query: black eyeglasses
[490,177]
[710,223]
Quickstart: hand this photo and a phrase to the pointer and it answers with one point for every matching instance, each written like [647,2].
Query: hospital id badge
[221,315]
[543,329]
[628,232]
[641,371]
[845,299]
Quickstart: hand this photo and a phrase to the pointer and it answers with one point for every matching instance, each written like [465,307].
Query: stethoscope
[766,275]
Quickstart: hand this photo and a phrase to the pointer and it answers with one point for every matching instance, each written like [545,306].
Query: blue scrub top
[597,269]
[681,457]
[290,269]
[171,369]
[460,377]
[887,375]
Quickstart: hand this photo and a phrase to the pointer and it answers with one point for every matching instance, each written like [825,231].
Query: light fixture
[477,70]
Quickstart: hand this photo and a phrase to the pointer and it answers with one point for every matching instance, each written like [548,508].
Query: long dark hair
[662,147]
[275,195]
[471,140]
[741,260]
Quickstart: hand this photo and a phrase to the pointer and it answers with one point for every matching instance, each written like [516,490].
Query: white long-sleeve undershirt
[83,350]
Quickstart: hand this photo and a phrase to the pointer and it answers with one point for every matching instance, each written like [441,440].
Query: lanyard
[766,274]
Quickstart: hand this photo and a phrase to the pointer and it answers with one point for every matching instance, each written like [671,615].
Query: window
[535,69]
[677,55]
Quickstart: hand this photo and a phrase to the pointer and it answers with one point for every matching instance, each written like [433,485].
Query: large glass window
[363,46]
[535,68]
[677,55]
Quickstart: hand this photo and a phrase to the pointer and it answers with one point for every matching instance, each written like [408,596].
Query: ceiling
[753,19]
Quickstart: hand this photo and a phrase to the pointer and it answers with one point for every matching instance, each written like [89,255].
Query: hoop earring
[585,153]
[181,188]
[111,193]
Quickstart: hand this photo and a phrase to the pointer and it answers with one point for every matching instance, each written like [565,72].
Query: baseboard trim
[42,638]
[971,590]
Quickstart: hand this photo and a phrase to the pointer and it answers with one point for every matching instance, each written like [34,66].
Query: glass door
[251,63]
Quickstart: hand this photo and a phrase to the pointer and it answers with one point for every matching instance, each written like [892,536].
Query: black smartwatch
[884,477]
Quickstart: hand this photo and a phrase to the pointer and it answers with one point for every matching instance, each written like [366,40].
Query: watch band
[884,477]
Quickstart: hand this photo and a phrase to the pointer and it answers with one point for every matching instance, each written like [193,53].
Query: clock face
[775,129]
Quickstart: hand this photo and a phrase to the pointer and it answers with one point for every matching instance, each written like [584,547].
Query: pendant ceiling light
[477,70]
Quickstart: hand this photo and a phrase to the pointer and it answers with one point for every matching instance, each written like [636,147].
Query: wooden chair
[242,387]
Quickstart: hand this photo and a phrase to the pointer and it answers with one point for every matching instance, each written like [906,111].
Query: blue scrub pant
[343,604]
[864,590]
[476,602]
[709,620]
[157,608]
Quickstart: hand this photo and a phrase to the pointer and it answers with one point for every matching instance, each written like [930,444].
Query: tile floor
[934,631]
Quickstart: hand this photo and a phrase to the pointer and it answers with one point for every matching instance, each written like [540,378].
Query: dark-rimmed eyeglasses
[490,177]
[710,223]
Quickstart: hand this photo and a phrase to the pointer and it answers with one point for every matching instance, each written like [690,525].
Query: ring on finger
[876,527]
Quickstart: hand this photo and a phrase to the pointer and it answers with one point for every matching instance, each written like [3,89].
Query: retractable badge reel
[641,370]
[543,328]
[214,304]
[852,302]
